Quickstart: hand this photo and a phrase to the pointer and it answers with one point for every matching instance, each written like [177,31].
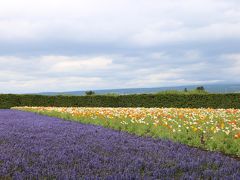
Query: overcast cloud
[64,45]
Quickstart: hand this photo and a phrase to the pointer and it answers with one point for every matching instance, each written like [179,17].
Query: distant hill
[216,88]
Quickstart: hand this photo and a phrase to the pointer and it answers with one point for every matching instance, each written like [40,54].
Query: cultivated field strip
[210,129]
[35,146]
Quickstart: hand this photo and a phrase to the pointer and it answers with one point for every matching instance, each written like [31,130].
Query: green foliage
[190,100]
[200,88]
[89,93]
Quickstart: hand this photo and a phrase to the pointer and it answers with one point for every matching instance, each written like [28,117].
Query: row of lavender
[34,146]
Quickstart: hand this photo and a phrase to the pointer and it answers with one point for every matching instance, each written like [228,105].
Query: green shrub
[139,100]
[89,93]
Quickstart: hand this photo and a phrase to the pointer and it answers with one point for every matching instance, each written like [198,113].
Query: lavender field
[35,146]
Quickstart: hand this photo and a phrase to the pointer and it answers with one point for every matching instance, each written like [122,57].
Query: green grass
[183,92]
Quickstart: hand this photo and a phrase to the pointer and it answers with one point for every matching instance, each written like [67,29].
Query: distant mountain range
[216,88]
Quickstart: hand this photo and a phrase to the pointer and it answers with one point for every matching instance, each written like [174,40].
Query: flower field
[41,147]
[210,129]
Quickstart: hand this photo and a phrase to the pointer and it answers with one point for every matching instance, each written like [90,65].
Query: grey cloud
[156,43]
[117,72]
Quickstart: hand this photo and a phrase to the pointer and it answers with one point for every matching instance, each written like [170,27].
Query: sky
[64,45]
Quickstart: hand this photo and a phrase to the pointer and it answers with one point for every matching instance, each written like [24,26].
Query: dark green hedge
[143,100]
